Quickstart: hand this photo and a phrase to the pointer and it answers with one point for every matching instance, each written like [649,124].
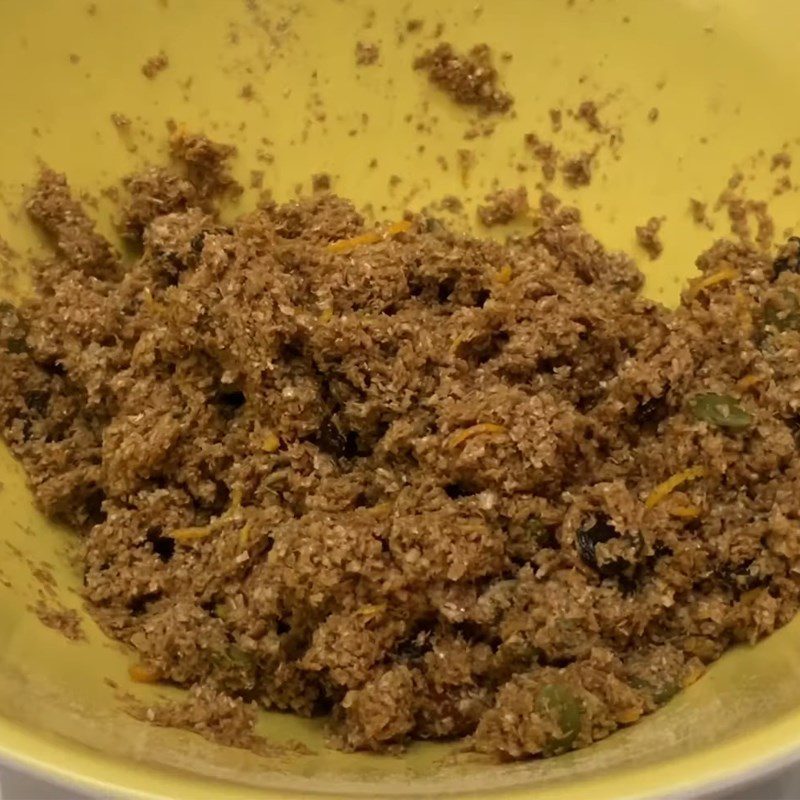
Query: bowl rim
[734,762]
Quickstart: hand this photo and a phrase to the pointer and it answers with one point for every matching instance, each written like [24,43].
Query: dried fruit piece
[600,530]
[558,703]
[783,314]
[721,410]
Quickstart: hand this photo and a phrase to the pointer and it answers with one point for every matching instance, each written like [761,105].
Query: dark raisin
[661,550]
[786,263]
[445,289]
[93,507]
[650,412]
[37,401]
[17,345]
[229,402]
[455,491]
[54,368]
[413,648]
[138,605]
[481,297]
[739,576]
[163,546]
[235,399]
[198,242]
[335,442]
[415,288]
[599,530]
[352,445]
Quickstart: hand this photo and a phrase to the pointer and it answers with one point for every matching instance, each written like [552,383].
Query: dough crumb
[504,206]
[577,171]
[64,620]
[648,237]
[217,717]
[321,182]
[121,121]
[781,160]
[154,65]
[469,79]
[545,153]
[367,53]
[588,112]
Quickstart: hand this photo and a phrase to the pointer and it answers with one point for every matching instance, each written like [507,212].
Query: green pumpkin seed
[559,704]
[783,315]
[721,410]
[534,528]
[665,692]
[660,692]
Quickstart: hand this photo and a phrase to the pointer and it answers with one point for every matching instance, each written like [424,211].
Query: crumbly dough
[504,206]
[433,486]
[649,237]
[470,79]
[154,65]
[367,53]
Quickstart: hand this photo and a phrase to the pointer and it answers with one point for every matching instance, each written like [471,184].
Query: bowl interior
[722,76]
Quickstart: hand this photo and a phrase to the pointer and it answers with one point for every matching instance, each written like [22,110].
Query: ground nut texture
[432,486]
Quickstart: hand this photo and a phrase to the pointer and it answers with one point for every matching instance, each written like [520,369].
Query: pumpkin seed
[721,410]
[557,702]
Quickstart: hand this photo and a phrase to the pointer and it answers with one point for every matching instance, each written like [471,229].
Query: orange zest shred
[142,673]
[380,509]
[244,535]
[752,595]
[276,476]
[504,274]
[348,245]
[693,672]
[270,443]
[749,381]
[629,715]
[369,611]
[457,341]
[720,276]
[190,534]
[481,429]
[671,484]
[684,512]
[744,306]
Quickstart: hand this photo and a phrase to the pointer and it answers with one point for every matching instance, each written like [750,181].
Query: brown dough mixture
[154,65]
[577,171]
[367,53]
[504,206]
[433,486]
[649,238]
[469,79]
[64,620]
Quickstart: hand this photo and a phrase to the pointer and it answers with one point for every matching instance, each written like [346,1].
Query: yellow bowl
[723,77]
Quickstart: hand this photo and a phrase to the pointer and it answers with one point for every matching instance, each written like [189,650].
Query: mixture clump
[429,485]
